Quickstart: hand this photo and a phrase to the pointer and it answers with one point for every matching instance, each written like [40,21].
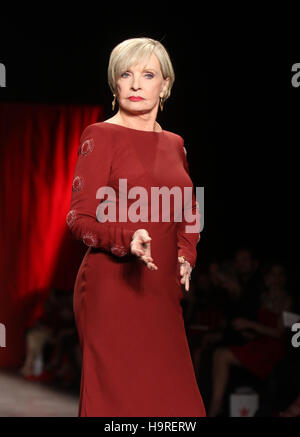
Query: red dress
[260,355]
[135,355]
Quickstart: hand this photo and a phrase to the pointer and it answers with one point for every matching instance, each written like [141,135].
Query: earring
[161,103]
[114,102]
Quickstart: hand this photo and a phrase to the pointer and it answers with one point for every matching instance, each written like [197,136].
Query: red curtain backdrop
[38,146]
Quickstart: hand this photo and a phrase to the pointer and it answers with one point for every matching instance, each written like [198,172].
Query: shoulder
[94,129]
[95,137]
[97,133]
[177,140]
[175,137]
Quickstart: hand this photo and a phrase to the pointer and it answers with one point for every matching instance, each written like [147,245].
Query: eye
[148,75]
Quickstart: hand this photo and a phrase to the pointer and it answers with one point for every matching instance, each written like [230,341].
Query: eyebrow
[145,69]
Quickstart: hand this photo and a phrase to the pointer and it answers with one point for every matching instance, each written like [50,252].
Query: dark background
[232,101]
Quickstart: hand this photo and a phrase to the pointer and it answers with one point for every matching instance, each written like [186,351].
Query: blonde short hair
[135,50]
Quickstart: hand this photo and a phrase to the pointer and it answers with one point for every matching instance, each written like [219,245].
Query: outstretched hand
[140,246]
[185,272]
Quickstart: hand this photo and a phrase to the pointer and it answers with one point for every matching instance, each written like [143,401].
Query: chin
[136,110]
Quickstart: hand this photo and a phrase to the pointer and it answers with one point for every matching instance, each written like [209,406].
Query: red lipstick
[136,98]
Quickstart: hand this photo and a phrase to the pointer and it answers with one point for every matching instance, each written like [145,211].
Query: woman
[127,298]
[269,343]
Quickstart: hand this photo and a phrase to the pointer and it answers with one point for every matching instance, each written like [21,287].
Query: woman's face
[144,81]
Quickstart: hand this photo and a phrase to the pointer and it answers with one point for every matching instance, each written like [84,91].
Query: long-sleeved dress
[135,355]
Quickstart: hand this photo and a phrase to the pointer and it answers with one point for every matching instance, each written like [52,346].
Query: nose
[135,83]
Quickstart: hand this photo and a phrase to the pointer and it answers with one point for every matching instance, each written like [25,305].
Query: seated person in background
[42,331]
[260,354]
[248,272]
[205,292]
[212,311]
[244,285]
[227,302]
[281,392]
[66,360]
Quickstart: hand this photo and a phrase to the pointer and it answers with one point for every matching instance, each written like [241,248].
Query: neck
[139,121]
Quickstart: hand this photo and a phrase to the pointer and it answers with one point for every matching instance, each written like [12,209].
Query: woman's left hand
[185,272]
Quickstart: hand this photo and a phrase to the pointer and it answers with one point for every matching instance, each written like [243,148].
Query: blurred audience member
[66,360]
[211,323]
[42,331]
[56,329]
[206,310]
[249,275]
[281,393]
[267,338]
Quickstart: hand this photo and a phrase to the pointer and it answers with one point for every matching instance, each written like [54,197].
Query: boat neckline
[132,129]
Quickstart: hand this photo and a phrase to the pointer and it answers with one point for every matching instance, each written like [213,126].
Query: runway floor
[22,398]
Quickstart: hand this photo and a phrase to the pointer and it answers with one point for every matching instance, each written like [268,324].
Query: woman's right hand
[140,246]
